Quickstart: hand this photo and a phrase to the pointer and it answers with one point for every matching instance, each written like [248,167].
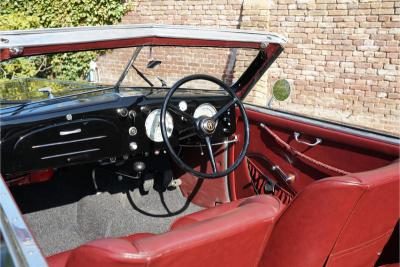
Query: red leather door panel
[342,150]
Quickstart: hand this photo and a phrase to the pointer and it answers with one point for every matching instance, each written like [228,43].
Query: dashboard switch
[145,109]
[133,146]
[132,114]
[123,112]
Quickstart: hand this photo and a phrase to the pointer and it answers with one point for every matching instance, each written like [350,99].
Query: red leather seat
[338,221]
[232,234]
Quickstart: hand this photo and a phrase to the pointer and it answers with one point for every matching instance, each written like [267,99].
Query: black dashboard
[99,128]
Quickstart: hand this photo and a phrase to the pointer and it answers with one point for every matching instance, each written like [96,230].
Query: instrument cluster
[152,123]
[146,138]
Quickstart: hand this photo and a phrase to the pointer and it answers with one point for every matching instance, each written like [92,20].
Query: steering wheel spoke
[211,154]
[181,113]
[187,133]
[224,108]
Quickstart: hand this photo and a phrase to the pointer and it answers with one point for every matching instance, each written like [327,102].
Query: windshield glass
[135,68]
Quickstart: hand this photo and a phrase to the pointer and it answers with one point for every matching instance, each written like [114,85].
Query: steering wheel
[204,127]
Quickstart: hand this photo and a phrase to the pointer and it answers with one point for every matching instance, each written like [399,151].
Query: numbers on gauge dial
[206,110]
[153,128]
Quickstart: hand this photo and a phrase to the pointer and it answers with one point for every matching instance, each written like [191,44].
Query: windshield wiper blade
[126,70]
[13,102]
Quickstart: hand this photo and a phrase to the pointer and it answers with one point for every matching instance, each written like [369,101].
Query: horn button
[207,125]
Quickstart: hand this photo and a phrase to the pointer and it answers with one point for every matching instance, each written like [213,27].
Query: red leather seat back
[372,221]
[235,235]
[338,221]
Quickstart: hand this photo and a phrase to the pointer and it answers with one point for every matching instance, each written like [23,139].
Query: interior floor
[67,211]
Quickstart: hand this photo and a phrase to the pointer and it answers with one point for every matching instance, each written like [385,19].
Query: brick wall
[342,56]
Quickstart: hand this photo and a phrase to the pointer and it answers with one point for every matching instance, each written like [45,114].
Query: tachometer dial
[206,110]
[153,128]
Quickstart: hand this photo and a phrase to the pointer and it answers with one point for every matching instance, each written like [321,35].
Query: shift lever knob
[139,166]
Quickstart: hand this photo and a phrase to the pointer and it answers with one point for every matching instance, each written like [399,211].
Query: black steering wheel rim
[235,100]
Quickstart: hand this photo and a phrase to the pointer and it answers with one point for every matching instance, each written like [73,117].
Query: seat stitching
[357,247]
[344,226]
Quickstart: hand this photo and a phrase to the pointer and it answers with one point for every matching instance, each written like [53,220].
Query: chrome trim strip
[226,142]
[62,133]
[72,35]
[71,153]
[22,245]
[70,142]
[226,147]
[327,125]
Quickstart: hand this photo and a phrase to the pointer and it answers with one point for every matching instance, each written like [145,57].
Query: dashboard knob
[132,131]
[133,146]
[139,166]
[123,112]
[145,109]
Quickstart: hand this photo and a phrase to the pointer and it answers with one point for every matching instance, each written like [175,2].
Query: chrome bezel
[202,106]
[148,129]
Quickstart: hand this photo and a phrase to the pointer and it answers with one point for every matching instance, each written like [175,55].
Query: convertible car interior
[179,170]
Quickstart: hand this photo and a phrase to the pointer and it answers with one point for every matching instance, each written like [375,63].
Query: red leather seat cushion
[59,260]
[232,234]
[134,237]
[219,210]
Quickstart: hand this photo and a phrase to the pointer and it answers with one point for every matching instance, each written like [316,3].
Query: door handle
[297,138]
[70,132]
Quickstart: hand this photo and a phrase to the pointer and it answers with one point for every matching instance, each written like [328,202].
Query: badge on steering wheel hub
[208,125]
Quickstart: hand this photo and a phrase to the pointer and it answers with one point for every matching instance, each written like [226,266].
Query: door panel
[340,149]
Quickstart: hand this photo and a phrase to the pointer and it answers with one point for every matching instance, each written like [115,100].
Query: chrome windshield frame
[22,246]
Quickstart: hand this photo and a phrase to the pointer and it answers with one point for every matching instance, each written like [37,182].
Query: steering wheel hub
[208,125]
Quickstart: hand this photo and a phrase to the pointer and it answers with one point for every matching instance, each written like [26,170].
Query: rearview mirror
[280,91]
[47,91]
[153,63]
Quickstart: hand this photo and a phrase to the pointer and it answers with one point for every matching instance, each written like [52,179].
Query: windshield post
[126,70]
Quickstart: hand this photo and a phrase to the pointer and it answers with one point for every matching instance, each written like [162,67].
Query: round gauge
[206,110]
[153,128]
[183,105]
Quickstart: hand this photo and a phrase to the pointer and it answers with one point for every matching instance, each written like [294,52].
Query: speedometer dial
[206,110]
[153,128]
